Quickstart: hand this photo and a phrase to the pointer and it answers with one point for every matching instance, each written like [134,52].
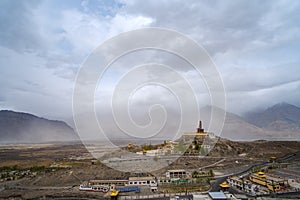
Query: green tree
[37,168]
[208,180]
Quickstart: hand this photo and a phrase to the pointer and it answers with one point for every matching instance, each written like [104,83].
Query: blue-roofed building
[217,195]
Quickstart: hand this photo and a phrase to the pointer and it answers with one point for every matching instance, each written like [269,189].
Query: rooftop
[107,181]
[176,170]
[224,185]
[217,195]
[145,178]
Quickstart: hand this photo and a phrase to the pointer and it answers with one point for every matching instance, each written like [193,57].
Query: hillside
[260,149]
[282,119]
[235,127]
[16,127]
[279,122]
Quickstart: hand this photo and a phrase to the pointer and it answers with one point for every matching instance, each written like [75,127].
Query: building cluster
[281,180]
[218,196]
[165,149]
[110,185]
[16,174]
[173,176]
[190,142]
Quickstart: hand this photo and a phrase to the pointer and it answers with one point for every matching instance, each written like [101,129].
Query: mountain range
[280,117]
[278,122]
[17,127]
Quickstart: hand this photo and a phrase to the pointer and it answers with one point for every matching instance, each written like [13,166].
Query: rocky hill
[16,127]
[261,149]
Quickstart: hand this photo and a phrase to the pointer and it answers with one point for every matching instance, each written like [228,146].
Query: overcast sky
[254,44]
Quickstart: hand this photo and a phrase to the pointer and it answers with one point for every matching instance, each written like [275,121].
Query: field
[56,170]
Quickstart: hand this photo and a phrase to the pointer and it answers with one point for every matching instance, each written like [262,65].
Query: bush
[8,168]
[37,168]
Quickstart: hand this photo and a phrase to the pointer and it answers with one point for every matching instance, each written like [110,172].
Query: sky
[255,46]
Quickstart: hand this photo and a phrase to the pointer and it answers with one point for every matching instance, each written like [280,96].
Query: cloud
[28,86]
[43,45]
[255,45]
[19,30]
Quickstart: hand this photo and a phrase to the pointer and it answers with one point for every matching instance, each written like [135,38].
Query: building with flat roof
[273,183]
[111,184]
[147,180]
[177,173]
[108,182]
[239,183]
[217,195]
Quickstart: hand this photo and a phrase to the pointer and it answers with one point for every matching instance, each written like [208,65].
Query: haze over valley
[277,122]
[132,99]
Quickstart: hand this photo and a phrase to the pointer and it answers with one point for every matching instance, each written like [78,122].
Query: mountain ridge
[281,117]
[21,127]
[244,128]
[278,122]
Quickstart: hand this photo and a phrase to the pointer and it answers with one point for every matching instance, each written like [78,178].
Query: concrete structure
[294,184]
[148,180]
[111,184]
[217,195]
[154,152]
[271,182]
[177,173]
[244,185]
[168,148]
[201,197]
[108,182]
[163,180]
